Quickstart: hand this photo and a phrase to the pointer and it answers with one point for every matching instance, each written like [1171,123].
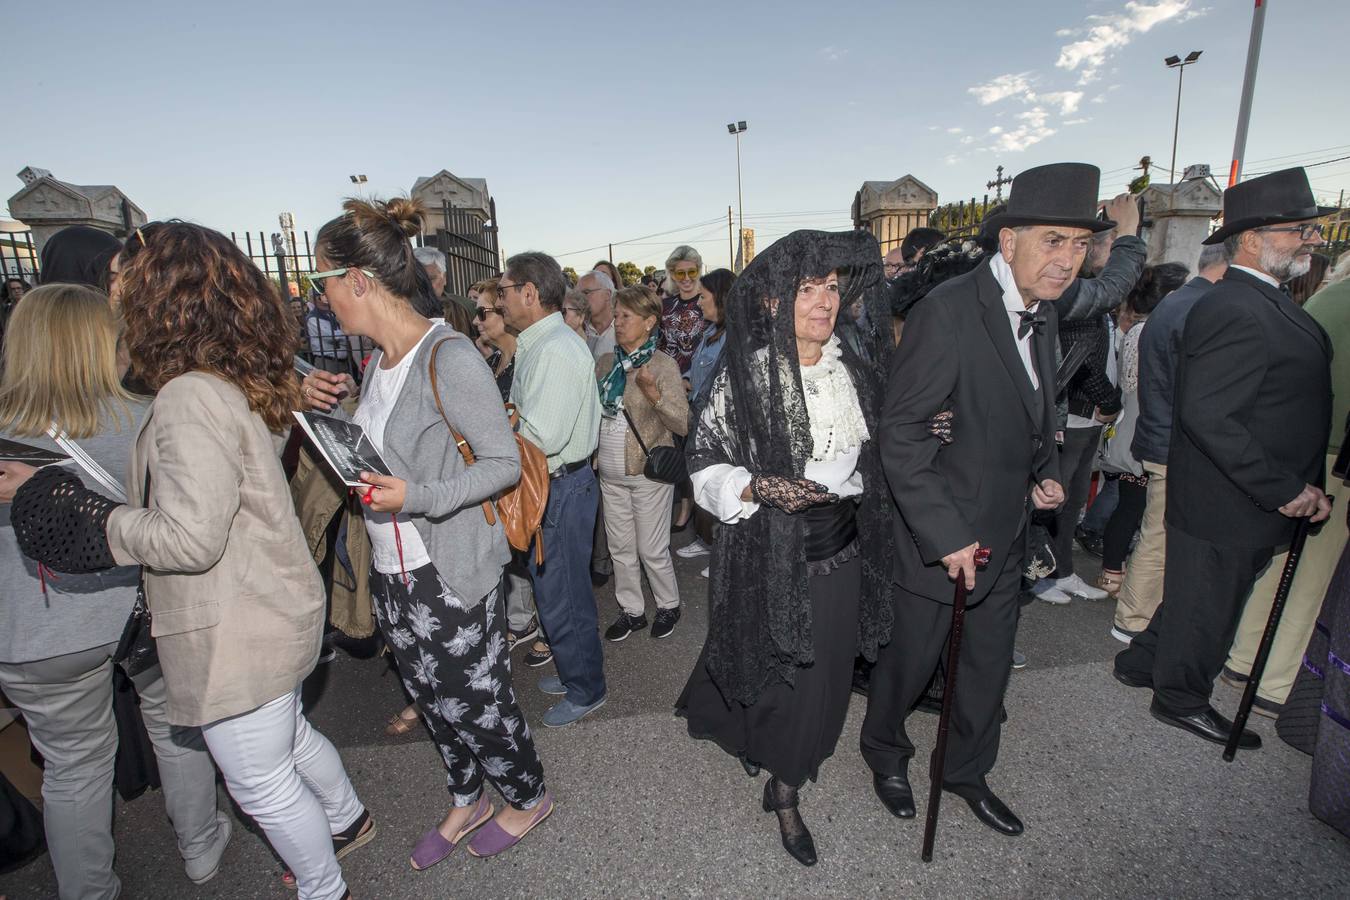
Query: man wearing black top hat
[1249,434]
[983,346]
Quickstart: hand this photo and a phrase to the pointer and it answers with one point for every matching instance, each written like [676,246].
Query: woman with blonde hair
[644,406]
[238,605]
[60,392]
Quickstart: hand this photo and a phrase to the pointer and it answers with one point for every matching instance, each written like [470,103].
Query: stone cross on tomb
[997,184]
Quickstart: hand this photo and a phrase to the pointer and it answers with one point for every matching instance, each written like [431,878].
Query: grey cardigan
[444,496]
[78,612]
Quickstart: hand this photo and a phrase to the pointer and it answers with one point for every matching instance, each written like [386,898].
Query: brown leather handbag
[520,506]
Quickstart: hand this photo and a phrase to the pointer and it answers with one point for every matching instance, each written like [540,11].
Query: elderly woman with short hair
[784,454]
[682,326]
[644,405]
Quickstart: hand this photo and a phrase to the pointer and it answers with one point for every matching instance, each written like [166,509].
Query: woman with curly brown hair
[238,606]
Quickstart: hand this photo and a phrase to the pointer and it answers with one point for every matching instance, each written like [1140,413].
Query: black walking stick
[937,768]
[1268,638]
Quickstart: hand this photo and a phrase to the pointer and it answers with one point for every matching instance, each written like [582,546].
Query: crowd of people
[848,434]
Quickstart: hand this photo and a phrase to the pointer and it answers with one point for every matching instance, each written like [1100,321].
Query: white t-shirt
[379,393]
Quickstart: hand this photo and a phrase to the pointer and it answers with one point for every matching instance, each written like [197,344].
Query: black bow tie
[1030,319]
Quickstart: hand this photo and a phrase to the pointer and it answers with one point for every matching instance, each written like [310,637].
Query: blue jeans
[1103,505]
[562,586]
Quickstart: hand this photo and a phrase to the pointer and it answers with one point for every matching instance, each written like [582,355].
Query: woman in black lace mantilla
[783,455]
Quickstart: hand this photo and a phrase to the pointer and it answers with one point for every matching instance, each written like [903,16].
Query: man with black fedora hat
[1251,412]
[981,345]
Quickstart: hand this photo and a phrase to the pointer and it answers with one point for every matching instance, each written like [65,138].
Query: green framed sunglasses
[318,278]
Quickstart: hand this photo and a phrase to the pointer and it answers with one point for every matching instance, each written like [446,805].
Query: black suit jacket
[958,353]
[1250,416]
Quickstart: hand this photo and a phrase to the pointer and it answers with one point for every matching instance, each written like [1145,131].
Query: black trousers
[1183,650]
[456,665]
[1124,522]
[905,666]
[1075,463]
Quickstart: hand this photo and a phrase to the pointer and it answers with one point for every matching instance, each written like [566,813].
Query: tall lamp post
[735,129]
[357,179]
[1176,62]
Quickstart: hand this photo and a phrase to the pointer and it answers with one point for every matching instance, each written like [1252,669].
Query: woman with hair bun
[437,561]
[238,605]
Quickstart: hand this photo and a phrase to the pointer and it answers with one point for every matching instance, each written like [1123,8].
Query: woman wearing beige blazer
[641,381]
[237,604]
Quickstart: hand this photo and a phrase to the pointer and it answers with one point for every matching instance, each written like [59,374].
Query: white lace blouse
[838,432]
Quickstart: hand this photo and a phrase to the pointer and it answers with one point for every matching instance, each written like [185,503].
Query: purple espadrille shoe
[493,838]
[433,847]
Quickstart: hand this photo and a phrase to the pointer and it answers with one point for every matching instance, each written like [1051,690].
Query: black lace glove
[940,426]
[62,524]
[791,495]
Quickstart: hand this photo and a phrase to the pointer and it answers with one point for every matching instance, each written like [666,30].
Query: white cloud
[1022,137]
[1082,121]
[951,159]
[1067,101]
[968,139]
[1104,35]
[1001,88]
[1100,98]
[833,53]
[955,130]
[997,129]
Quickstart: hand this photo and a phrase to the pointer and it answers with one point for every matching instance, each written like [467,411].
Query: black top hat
[1057,194]
[1282,196]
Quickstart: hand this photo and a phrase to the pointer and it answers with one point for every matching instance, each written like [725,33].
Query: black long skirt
[791,729]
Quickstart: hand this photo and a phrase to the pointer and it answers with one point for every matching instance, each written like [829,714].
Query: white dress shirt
[1256,274]
[1012,302]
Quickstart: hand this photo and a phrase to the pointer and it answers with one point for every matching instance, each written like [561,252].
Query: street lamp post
[735,129]
[1176,62]
[358,179]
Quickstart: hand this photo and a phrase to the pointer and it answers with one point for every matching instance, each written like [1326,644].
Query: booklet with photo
[344,446]
[13,451]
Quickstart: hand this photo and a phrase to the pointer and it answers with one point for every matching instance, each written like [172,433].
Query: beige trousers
[637,523]
[1143,588]
[1315,568]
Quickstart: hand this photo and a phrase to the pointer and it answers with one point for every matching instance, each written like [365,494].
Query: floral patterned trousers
[455,663]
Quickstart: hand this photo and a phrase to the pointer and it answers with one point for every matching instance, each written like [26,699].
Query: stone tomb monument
[892,209]
[1182,217]
[47,205]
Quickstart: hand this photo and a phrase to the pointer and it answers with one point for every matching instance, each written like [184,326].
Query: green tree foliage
[570,274]
[629,272]
[649,270]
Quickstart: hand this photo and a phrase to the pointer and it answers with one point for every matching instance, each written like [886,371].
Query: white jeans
[290,779]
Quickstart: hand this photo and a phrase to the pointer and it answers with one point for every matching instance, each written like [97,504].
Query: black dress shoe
[1131,680]
[1210,725]
[797,840]
[895,794]
[994,812]
[750,768]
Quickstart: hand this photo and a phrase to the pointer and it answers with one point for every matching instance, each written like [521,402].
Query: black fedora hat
[1273,199]
[1057,194]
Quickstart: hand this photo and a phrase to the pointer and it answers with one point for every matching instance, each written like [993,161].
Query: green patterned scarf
[613,384]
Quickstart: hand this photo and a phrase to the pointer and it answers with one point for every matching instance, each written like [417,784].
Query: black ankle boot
[782,799]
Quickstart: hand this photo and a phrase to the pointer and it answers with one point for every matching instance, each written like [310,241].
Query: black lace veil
[759,627]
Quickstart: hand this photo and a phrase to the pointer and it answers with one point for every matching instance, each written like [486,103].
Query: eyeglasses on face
[1304,232]
[503,288]
[684,274]
[573,309]
[319,278]
[483,312]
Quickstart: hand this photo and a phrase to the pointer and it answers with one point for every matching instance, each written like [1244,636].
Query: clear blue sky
[597,122]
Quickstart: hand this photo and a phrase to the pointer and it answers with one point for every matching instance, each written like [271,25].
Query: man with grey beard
[1251,417]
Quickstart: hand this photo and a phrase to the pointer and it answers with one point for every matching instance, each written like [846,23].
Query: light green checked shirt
[555,392]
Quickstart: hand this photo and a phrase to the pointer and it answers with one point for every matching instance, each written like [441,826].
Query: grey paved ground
[1115,804]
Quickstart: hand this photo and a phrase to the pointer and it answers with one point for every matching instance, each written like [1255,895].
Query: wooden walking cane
[937,768]
[1268,637]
